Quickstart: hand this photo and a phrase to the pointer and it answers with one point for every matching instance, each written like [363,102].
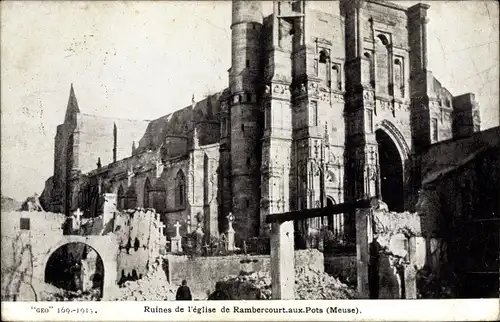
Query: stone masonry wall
[201,273]
[396,253]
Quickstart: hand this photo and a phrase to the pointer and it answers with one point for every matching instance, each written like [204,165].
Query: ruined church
[322,107]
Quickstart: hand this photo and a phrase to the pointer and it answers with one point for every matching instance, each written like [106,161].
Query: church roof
[98,131]
[179,123]
[446,156]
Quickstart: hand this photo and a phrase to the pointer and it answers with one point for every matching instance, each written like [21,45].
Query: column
[363,239]
[282,261]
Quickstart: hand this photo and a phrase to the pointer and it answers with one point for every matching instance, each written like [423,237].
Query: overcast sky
[142,60]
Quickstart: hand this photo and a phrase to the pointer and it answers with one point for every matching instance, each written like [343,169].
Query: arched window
[434,130]
[313,114]
[336,77]
[368,70]
[158,201]
[399,85]
[323,69]
[180,189]
[382,64]
[131,198]
[120,198]
[147,190]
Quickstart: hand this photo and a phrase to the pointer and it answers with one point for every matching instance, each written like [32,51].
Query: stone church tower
[326,104]
[245,79]
[347,104]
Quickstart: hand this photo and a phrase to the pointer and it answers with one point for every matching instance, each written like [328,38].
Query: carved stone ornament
[384,105]
[368,96]
[338,98]
[476,116]
[446,116]
[313,88]
[372,173]
[330,176]
[278,89]
[333,158]
[300,89]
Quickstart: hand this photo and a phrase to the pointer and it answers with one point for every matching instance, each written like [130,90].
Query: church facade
[321,108]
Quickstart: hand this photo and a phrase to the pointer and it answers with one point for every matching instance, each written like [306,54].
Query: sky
[142,60]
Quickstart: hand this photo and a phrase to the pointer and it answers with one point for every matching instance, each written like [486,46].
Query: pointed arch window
[434,130]
[120,198]
[313,113]
[368,77]
[336,77]
[131,198]
[399,85]
[180,189]
[382,64]
[157,199]
[323,69]
[147,192]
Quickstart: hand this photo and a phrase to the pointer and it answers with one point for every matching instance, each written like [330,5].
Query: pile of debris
[64,295]
[311,282]
[254,286]
[309,285]
[152,287]
[315,285]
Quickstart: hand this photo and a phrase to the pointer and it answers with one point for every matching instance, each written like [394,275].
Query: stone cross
[78,217]
[176,245]
[230,219]
[161,226]
[230,233]
[207,247]
[177,232]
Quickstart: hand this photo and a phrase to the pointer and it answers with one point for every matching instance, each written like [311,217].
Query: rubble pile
[152,287]
[314,285]
[311,282]
[254,286]
[63,295]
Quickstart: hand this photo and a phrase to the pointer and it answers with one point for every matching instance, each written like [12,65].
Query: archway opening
[391,172]
[77,269]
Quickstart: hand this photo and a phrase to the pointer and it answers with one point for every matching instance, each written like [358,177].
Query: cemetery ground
[40,263]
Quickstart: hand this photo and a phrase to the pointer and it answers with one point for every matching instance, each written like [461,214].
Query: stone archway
[391,171]
[105,246]
[76,266]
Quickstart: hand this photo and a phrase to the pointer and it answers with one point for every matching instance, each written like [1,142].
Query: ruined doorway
[391,172]
[77,269]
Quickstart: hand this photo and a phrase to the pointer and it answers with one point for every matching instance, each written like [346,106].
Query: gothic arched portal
[391,172]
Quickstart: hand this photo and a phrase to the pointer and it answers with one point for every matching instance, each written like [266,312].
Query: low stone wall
[202,273]
[342,267]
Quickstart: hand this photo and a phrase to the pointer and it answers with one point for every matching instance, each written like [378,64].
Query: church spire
[72,107]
